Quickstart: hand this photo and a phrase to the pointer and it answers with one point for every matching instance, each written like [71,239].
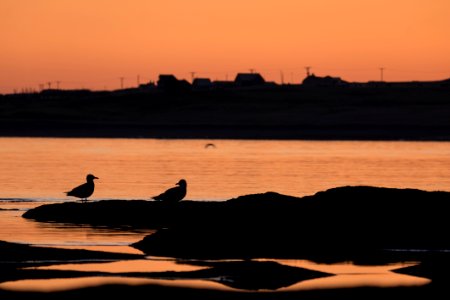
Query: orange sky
[91,43]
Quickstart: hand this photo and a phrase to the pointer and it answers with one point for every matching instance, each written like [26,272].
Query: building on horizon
[202,84]
[327,81]
[169,83]
[249,79]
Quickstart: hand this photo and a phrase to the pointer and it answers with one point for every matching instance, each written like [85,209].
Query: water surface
[37,171]
[43,168]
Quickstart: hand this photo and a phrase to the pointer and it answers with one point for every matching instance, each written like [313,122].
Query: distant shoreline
[415,112]
[362,133]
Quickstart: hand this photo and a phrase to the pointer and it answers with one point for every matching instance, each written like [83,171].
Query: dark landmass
[318,109]
[341,223]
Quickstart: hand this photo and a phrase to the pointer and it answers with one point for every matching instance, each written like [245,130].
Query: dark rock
[342,221]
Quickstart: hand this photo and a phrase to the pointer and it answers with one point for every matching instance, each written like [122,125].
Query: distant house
[327,81]
[201,84]
[249,79]
[170,83]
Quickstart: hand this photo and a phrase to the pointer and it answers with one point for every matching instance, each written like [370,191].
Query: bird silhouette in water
[85,190]
[174,194]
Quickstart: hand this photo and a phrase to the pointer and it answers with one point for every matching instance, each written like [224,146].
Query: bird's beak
[96,177]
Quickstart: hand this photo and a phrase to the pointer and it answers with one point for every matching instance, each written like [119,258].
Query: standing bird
[174,194]
[85,190]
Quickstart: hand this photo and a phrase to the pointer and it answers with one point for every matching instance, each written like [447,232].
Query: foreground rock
[339,221]
[343,223]
[154,214]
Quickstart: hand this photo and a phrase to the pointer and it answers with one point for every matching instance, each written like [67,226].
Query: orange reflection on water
[140,265]
[14,228]
[359,280]
[349,275]
[52,285]
[346,275]
[342,268]
[141,168]
[115,249]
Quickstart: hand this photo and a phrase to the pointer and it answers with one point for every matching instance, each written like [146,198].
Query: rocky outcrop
[340,220]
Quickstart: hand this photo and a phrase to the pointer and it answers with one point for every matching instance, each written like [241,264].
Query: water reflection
[16,229]
[194,274]
[129,266]
[58,284]
[360,280]
[104,248]
[141,168]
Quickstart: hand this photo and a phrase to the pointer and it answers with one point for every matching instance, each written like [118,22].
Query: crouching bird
[174,194]
[85,190]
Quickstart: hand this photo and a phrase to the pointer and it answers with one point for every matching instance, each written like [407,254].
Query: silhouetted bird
[85,190]
[174,194]
[210,145]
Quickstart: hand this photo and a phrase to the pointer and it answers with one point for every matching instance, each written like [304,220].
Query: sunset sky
[92,43]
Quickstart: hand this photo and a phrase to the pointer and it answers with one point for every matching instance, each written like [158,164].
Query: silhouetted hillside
[378,110]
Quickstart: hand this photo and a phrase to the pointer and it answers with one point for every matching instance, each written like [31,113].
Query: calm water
[140,168]
[38,170]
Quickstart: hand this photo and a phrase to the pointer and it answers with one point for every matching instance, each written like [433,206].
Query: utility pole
[49,85]
[121,82]
[192,76]
[308,73]
[282,77]
[381,74]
